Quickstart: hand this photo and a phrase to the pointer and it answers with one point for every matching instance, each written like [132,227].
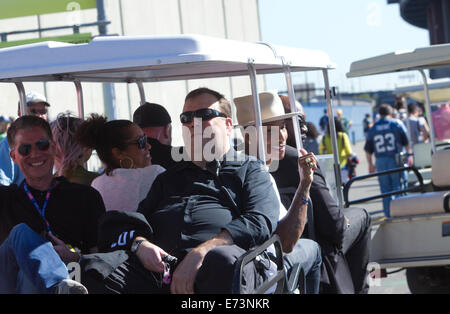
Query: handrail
[75,27]
[278,279]
[382,195]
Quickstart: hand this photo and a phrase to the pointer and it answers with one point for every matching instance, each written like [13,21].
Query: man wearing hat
[291,226]
[155,121]
[335,229]
[9,172]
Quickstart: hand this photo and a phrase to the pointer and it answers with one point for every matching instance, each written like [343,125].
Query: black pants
[214,276]
[356,246]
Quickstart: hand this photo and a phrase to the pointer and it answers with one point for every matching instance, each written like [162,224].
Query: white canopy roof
[439,91]
[420,58]
[150,58]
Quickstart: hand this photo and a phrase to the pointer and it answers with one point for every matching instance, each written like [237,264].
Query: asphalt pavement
[394,283]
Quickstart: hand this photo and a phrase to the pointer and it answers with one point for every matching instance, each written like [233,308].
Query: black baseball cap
[151,114]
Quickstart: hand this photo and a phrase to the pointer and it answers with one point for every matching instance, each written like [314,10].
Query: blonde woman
[70,156]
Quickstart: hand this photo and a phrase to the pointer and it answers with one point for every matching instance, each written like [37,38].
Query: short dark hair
[24,123]
[385,110]
[412,107]
[150,115]
[338,125]
[312,130]
[224,104]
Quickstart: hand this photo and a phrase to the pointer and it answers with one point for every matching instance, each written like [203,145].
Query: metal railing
[75,27]
[420,188]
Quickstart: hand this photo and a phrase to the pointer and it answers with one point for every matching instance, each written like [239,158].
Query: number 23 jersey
[386,138]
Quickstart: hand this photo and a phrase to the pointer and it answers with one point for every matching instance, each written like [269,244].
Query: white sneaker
[69,286]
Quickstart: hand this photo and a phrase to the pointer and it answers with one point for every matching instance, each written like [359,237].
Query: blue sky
[346,30]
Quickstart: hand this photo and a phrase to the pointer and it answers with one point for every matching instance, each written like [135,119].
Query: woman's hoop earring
[126,158]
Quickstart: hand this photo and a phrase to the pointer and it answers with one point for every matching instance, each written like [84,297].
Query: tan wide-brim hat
[271,108]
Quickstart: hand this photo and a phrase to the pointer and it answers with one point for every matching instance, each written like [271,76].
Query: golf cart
[439,95]
[416,237]
[144,59]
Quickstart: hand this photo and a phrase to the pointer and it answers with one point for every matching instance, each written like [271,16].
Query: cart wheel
[428,280]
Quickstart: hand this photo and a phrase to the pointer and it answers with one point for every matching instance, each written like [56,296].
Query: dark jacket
[73,212]
[328,221]
[162,154]
[187,205]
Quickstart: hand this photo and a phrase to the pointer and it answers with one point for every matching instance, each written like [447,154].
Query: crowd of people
[390,139]
[151,224]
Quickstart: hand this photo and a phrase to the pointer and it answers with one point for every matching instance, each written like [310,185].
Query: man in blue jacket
[386,139]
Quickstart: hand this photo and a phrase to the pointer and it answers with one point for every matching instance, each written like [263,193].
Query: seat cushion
[422,155]
[420,204]
[440,163]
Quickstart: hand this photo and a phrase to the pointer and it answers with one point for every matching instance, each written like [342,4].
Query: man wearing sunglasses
[9,172]
[206,211]
[45,215]
[335,229]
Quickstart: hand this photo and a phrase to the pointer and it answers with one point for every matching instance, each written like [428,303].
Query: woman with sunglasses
[123,149]
[70,156]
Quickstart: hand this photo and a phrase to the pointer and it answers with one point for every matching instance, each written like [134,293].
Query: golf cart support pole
[331,125]
[257,110]
[80,100]
[141,91]
[22,98]
[297,130]
[408,124]
[428,110]
[109,93]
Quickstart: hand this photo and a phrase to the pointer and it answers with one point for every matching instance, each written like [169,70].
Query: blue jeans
[28,263]
[307,253]
[389,182]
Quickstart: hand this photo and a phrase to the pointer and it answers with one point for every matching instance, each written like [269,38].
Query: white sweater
[124,189]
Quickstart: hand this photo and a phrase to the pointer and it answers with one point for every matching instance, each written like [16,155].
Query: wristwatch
[135,245]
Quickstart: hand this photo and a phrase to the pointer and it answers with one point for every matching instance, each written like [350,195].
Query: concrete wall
[233,19]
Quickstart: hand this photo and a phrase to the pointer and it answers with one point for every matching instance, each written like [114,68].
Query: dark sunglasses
[302,122]
[38,111]
[25,149]
[205,114]
[141,142]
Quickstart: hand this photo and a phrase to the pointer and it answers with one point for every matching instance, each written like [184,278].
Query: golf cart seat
[429,202]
